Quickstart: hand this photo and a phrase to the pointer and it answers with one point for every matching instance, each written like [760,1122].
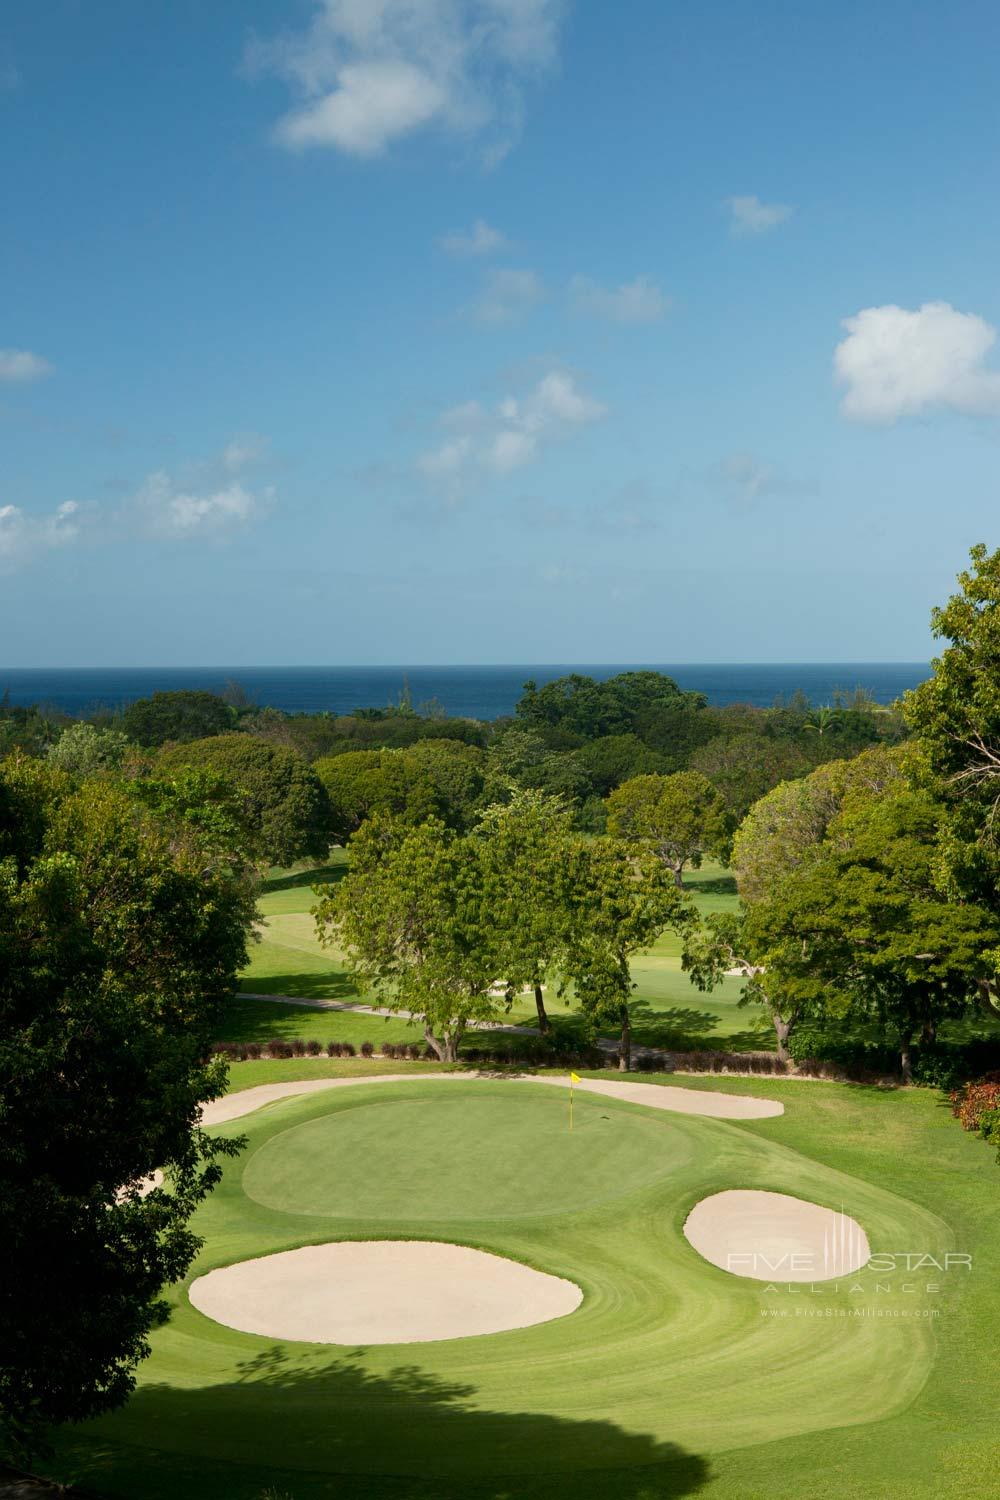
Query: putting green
[667,1362]
[488,1156]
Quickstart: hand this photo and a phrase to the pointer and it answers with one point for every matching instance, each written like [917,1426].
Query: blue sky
[493,330]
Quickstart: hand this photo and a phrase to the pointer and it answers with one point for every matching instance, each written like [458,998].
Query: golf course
[669,1377]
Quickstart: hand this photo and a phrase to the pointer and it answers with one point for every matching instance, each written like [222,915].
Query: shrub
[253,1050]
[333,1049]
[314,1048]
[298,1047]
[413,1052]
[388,1049]
[976,1102]
[347,1049]
[367,1049]
[277,1048]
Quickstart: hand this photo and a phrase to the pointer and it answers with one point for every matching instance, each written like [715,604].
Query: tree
[362,783]
[456,772]
[785,829]
[744,767]
[730,942]
[184,715]
[284,801]
[682,817]
[524,847]
[588,709]
[84,750]
[121,935]
[614,758]
[413,919]
[617,900]
[870,924]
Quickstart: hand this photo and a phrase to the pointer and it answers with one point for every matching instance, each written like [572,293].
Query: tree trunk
[986,998]
[782,1031]
[433,1042]
[625,1052]
[445,1047]
[543,1021]
[679,877]
[905,1060]
[928,1033]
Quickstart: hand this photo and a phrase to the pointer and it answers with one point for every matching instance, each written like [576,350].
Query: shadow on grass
[321,875]
[687,1029]
[710,885]
[329,1427]
[333,984]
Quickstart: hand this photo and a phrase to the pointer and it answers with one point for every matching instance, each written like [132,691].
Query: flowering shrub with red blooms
[974,1103]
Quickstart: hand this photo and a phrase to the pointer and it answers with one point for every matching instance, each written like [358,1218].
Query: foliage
[456,772]
[617,900]
[284,802]
[182,716]
[524,846]
[682,817]
[84,750]
[614,758]
[744,767]
[590,709]
[413,919]
[365,783]
[119,942]
[784,831]
[974,1104]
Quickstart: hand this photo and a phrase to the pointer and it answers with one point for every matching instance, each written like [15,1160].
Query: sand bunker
[381,1292]
[657,1096]
[772,1237]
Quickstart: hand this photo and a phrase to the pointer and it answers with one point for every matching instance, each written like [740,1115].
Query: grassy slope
[669,1011]
[668,1382]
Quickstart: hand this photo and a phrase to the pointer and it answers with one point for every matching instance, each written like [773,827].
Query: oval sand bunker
[381,1292]
[772,1237]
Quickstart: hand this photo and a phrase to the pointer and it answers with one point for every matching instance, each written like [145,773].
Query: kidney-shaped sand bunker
[381,1292]
[772,1237]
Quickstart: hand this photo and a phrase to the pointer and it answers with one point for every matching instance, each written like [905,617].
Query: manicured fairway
[672,1378]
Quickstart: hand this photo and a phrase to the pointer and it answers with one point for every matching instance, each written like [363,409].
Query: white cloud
[896,362]
[751,216]
[638,301]
[369,72]
[481,239]
[244,451]
[497,440]
[19,366]
[22,533]
[507,296]
[169,510]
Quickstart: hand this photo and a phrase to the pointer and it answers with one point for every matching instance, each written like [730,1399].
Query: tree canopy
[184,715]
[682,817]
[121,933]
[413,918]
[285,805]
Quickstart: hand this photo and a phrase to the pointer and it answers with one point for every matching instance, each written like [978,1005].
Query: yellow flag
[574,1077]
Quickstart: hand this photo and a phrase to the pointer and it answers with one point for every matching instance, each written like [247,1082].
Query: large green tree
[682,817]
[284,801]
[184,715]
[414,921]
[524,850]
[617,900]
[84,750]
[121,933]
[955,716]
[361,784]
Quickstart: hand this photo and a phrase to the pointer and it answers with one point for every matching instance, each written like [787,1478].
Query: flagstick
[571,1106]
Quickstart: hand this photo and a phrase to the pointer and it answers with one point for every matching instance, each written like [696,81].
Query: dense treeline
[575,738]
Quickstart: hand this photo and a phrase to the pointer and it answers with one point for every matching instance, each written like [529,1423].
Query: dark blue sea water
[473,692]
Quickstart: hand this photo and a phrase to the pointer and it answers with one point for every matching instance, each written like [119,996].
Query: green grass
[668,1010]
[672,1379]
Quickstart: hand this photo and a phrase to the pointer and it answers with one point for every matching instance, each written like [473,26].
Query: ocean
[471,692]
